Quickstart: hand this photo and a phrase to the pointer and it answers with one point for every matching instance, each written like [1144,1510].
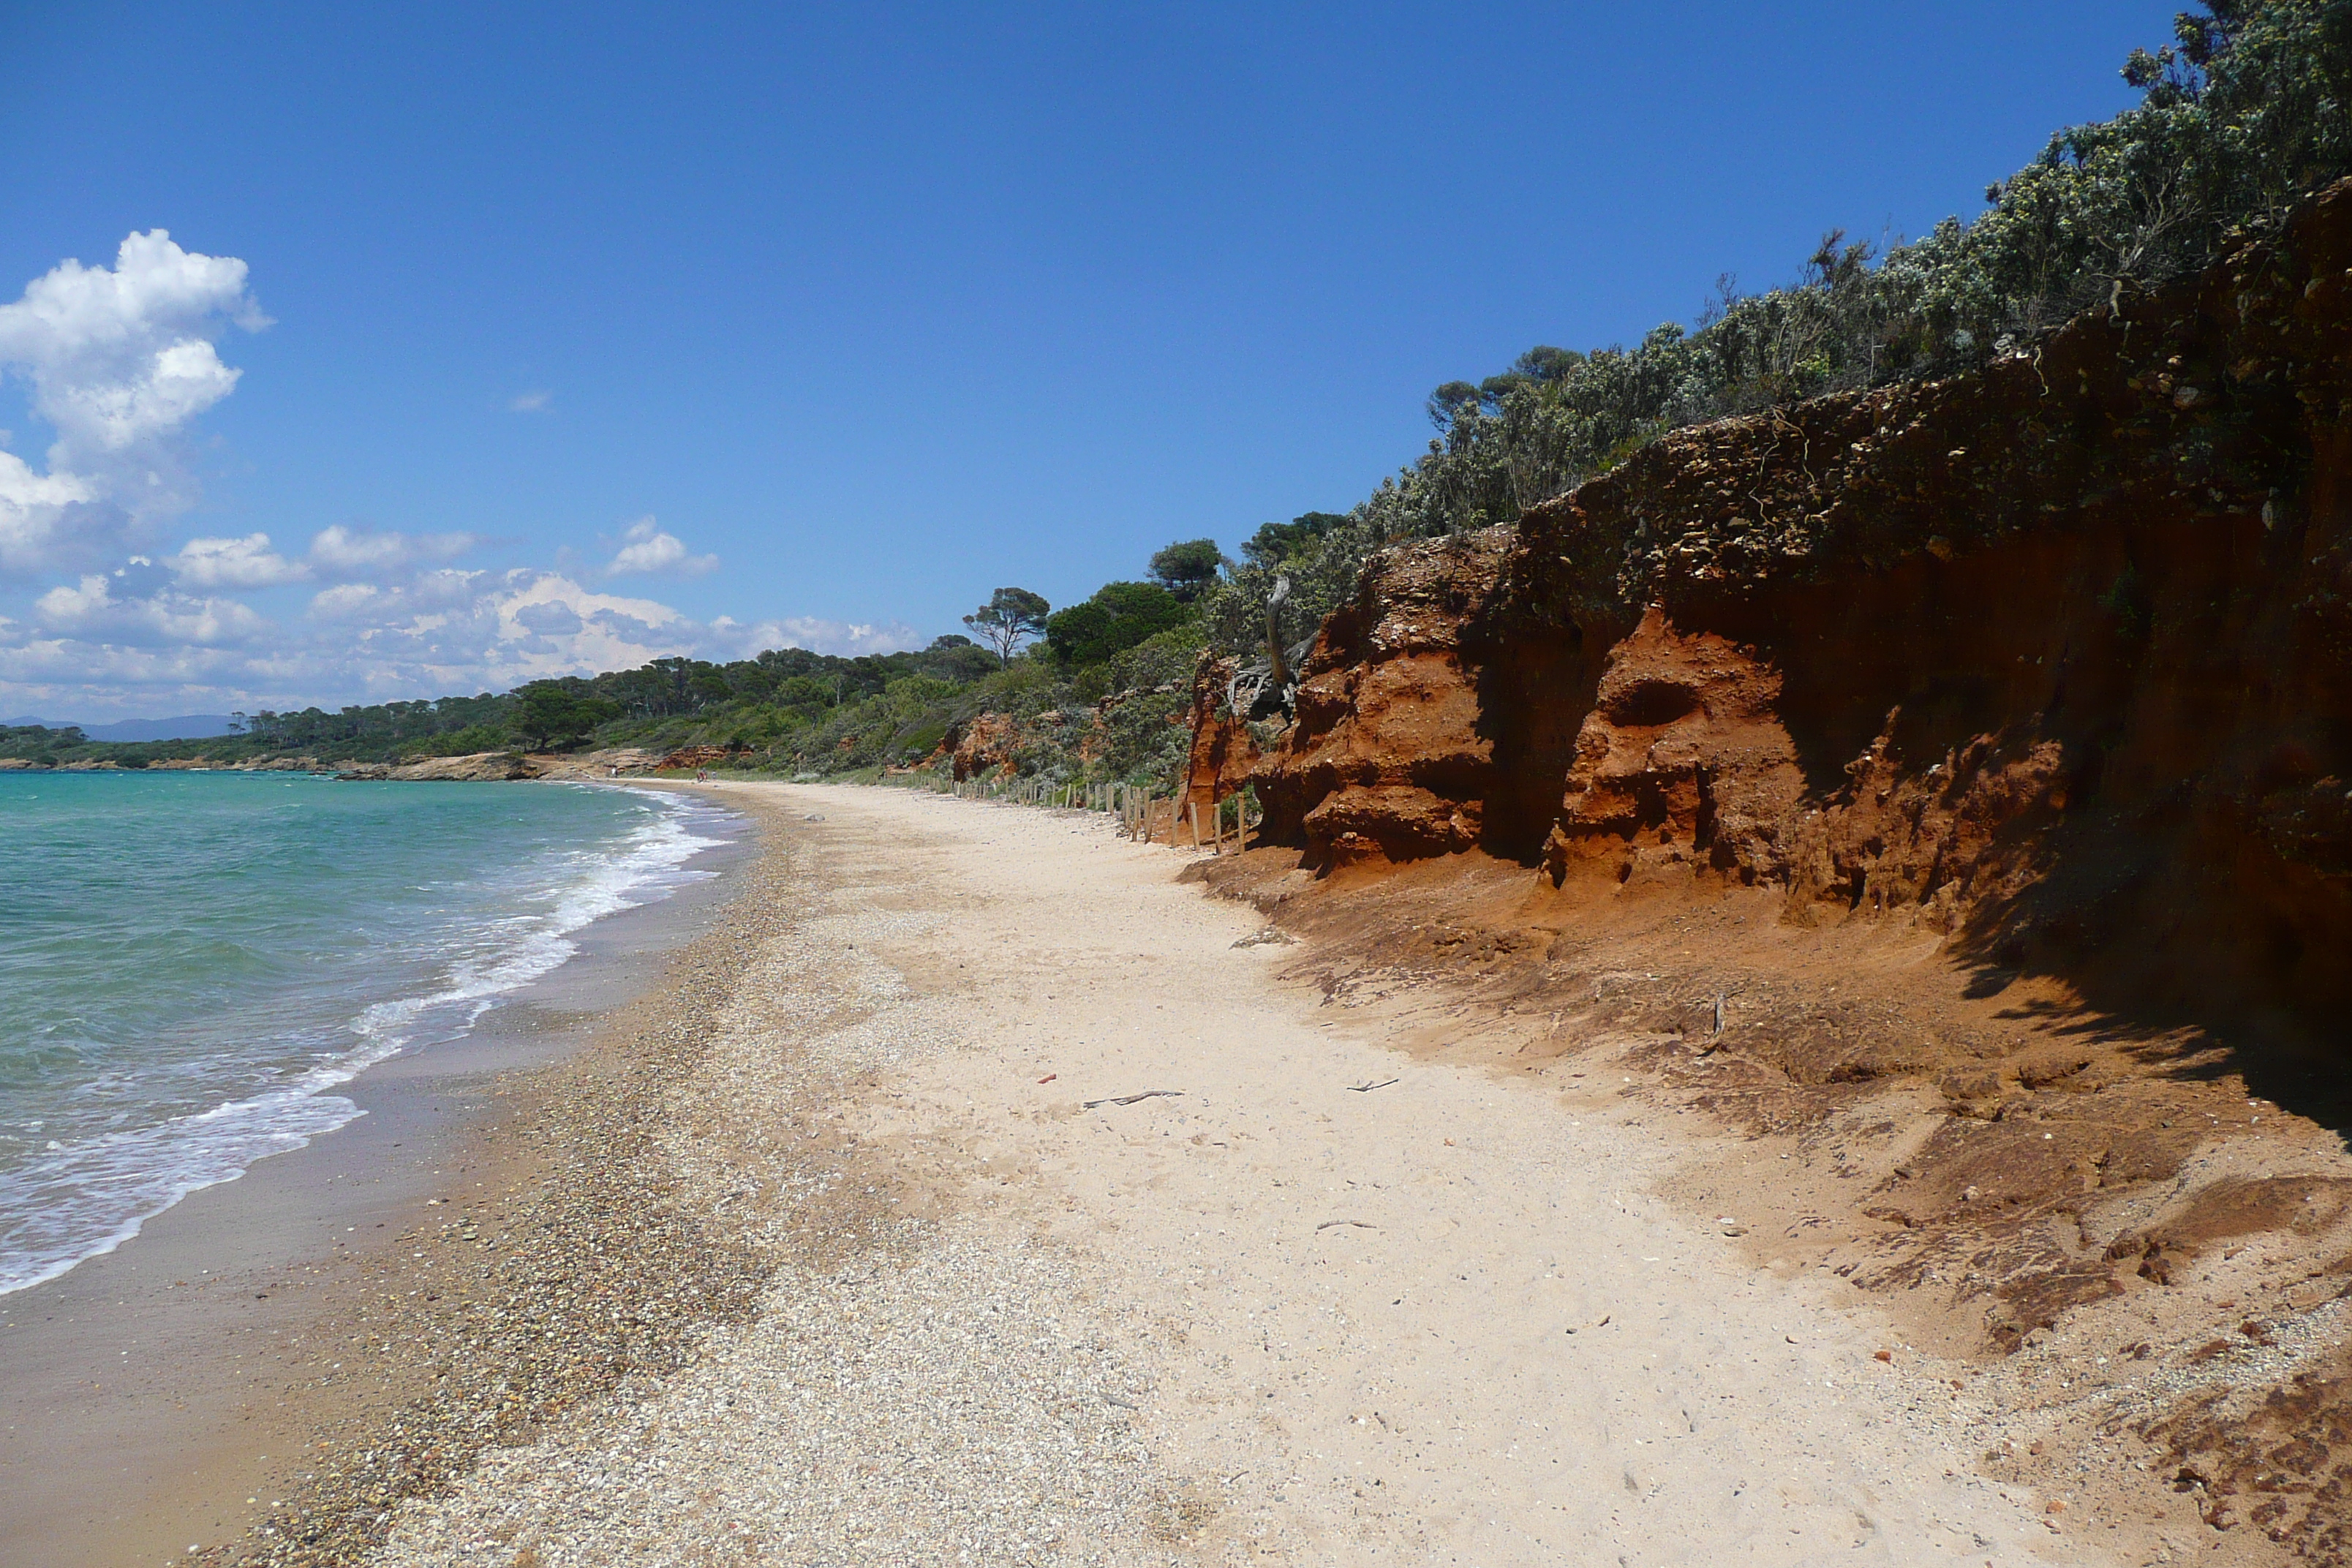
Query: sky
[381,352]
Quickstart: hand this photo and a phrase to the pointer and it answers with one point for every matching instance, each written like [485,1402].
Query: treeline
[789,709]
[668,699]
[37,743]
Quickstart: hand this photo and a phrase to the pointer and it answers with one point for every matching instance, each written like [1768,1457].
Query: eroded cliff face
[2055,657]
[1393,754]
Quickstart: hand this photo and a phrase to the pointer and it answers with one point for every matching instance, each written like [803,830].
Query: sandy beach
[1311,1297]
[975,1188]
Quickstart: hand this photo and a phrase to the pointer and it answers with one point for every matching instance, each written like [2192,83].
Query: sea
[191,964]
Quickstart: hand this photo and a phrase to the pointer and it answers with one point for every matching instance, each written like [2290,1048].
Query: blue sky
[594,331]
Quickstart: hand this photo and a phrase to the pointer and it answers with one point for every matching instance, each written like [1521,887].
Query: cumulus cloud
[340,552]
[732,638]
[646,550]
[246,563]
[427,592]
[119,360]
[336,552]
[138,638]
[131,607]
[107,614]
[31,506]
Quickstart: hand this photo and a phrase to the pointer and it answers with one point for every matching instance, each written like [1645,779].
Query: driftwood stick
[1131,1098]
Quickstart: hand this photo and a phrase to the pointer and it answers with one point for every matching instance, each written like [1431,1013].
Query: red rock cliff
[2055,655]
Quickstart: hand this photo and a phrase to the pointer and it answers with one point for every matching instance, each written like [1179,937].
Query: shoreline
[190,1366]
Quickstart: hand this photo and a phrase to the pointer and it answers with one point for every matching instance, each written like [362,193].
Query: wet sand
[164,1395]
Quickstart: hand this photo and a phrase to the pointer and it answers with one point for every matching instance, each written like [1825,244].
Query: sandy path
[1270,1318]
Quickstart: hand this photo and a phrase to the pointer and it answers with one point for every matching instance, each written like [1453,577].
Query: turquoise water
[190,963]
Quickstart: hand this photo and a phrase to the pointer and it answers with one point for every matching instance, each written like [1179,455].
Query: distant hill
[187,727]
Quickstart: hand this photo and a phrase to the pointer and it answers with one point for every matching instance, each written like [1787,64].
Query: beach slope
[1105,1240]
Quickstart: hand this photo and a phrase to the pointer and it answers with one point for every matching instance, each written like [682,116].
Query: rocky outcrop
[1392,755]
[697,757]
[480,767]
[1225,753]
[2055,657]
[610,762]
[982,745]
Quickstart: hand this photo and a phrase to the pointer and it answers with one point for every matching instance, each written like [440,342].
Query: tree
[1449,402]
[1276,542]
[552,717]
[1118,617]
[1010,618]
[1188,567]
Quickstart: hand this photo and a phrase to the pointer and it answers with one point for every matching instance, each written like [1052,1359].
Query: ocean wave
[78,1199]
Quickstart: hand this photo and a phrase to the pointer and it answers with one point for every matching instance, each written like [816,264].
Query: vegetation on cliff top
[2245,113]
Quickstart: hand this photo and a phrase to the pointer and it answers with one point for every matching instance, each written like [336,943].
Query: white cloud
[452,631]
[136,640]
[112,609]
[732,638]
[119,360]
[340,552]
[646,549]
[428,593]
[246,563]
[32,508]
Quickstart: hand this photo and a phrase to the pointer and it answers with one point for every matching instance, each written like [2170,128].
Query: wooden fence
[1146,815]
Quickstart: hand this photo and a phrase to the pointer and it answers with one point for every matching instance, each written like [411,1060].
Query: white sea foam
[77,1200]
